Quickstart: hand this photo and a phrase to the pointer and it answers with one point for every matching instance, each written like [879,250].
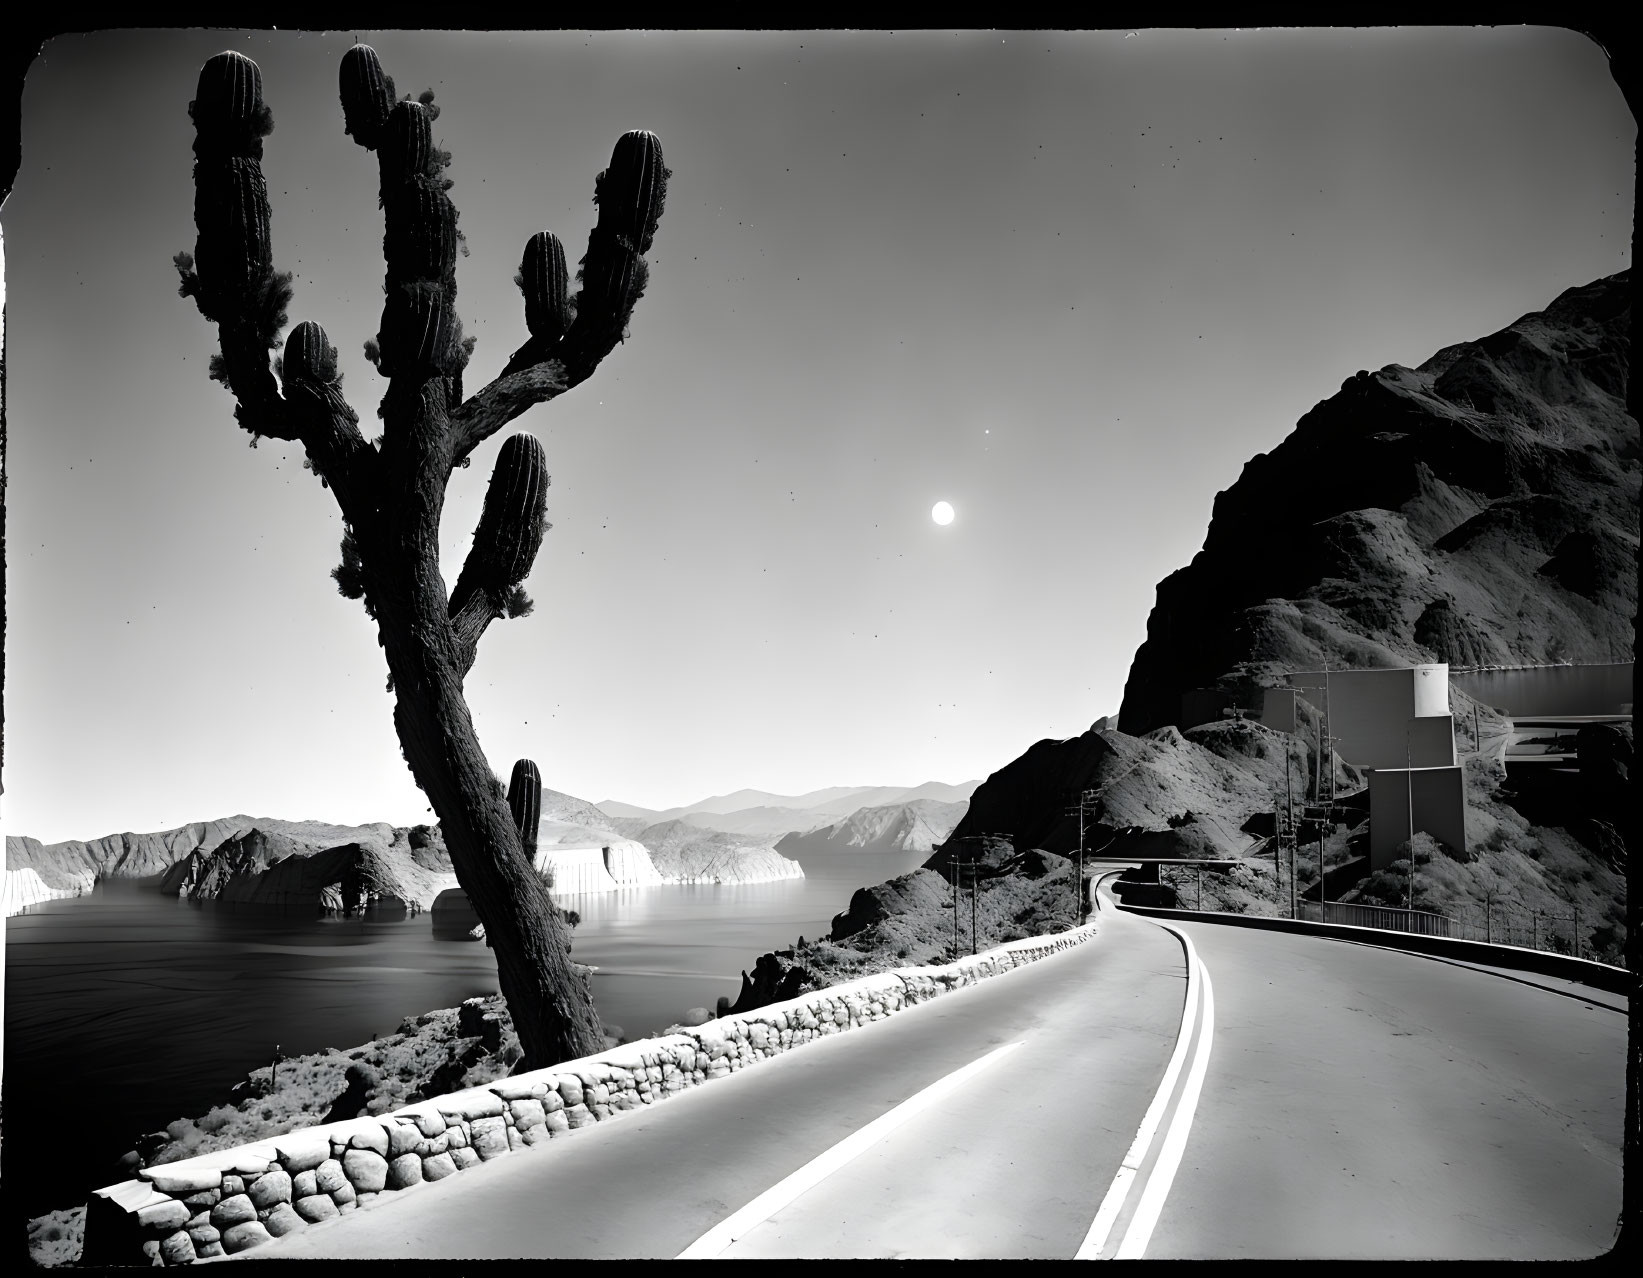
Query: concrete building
[1396,724]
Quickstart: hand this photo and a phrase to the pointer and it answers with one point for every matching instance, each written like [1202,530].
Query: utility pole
[1329,741]
[1085,798]
[974,884]
[1409,792]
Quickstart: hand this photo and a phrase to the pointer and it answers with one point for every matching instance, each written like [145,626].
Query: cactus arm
[630,195]
[233,282]
[525,803]
[511,527]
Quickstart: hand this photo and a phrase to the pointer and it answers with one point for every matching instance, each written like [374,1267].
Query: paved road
[1013,1163]
[1356,1103]
[1365,1103]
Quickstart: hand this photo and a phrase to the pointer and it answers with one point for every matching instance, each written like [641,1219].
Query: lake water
[125,1009]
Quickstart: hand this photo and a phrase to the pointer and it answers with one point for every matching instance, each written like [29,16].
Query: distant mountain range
[916,825]
[761,815]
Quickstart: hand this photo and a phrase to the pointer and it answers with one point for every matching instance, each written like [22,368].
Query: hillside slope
[1481,509]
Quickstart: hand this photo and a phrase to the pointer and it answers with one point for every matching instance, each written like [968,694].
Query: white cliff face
[607,866]
[25,887]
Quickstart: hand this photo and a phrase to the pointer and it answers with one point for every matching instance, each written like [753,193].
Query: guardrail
[1386,917]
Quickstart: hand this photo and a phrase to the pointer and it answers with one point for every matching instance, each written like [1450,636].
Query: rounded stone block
[557,1122]
[570,1089]
[367,1170]
[527,1113]
[538,1135]
[177,1248]
[456,1137]
[273,1186]
[329,1177]
[282,1219]
[488,1137]
[343,1195]
[429,1124]
[304,1185]
[437,1167]
[373,1140]
[232,1184]
[404,1171]
[429,1146]
[204,1200]
[204,1235]
[464,1157]
[402,1139]
[551,1101]
[163,1217]
[315,1207]
[244,1236]
[233,1211]
[516,1139]
[302,1151]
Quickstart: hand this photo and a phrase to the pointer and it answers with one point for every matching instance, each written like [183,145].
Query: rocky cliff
[1481,509]
[915,826]
[258,868]
[73,867]
[686,853]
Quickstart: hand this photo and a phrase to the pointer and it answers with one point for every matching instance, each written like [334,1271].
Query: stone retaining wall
[235,1199]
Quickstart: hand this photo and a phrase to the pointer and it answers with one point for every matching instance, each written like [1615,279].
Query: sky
[1067,282]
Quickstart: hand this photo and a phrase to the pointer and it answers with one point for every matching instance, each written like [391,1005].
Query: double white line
[1130,1241]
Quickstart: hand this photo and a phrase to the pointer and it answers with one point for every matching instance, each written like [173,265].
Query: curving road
[1355,1103]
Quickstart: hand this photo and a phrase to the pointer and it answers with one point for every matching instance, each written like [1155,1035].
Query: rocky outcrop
[1207,792]
[75,867]
[263,869]
[685,853]
[1478,510]
[915,826]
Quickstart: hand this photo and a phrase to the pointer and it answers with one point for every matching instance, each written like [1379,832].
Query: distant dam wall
[605,867]
[25,887]
[236,1199]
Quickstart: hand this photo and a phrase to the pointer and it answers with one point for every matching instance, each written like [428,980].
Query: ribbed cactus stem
[630,193]
[229,91]
[367,95]
[420,332]
[514,518]
[235,248]
[309,355]
[419,240]
[545,282]
[408,140]
[525,802]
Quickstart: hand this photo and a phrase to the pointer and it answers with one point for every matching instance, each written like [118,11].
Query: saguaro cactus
[391,493]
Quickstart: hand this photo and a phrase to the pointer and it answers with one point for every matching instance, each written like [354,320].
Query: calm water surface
[125,1009]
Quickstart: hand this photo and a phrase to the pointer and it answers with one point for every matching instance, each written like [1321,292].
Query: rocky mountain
[763,815]
[76,865]
[1481,509]
[686,853]
[257,868]
[914,826]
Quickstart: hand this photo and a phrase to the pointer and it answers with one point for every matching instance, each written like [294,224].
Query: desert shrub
[217,1119]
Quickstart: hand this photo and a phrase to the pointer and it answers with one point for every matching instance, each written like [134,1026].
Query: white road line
[1141,1225]
[779,1195]
[1158,1183]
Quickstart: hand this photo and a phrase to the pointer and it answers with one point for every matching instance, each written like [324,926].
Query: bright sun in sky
[942,512]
